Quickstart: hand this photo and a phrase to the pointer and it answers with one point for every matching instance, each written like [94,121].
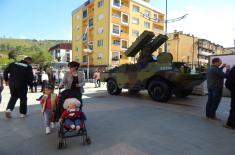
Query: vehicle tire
[182,93]
[112,87]
[159,90]
[88,140]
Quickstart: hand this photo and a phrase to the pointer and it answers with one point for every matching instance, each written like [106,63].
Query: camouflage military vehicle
[160,77]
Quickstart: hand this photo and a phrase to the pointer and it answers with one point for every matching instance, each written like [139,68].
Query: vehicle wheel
[88,140]
[182,93]
[159,90]
[112,87]
[60,144]
[133,91]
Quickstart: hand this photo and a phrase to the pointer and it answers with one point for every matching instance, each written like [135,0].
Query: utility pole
[166,28]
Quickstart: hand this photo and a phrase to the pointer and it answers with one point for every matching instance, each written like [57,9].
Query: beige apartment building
[191,49]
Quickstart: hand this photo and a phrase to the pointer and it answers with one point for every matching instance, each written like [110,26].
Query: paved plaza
[123,125]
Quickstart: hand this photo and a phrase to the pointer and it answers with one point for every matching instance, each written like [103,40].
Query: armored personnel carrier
[161,77]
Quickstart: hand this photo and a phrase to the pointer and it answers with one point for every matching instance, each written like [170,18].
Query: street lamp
[87,51]
[166,28]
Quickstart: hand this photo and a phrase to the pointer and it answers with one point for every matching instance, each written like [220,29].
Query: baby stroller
[64,130]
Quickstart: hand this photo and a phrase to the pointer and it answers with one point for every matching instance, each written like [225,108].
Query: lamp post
[166,28]
[87,51]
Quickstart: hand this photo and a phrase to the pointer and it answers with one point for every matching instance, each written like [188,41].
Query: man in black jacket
[215,83]
[230,84]
[18,75]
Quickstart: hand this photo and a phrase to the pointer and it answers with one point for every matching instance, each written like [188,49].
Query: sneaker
[213,118]
[52,125]
[48,130]
[78,128]
[72,127]
[8,113]
[22,115]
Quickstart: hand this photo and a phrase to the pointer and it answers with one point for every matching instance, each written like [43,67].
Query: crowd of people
[19,75]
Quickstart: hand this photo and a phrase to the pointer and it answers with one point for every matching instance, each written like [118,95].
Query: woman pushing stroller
[74,80]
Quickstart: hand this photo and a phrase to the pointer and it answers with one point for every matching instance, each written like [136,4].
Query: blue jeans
[75,122]
[214,97]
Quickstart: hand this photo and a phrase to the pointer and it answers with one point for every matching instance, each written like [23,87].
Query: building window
[78,17]
[100,56]
[115,56]
[116,29]
[116,42]
[135,21]
[155,17]
[84,14]
[147,25]
[77,49]
[101,16]
[116,14]
[67,57]
[135,33]
[135,8]
[100,30]
[91,22]
[125,18]
[100,3]
[84,36]
[124,44]
[77,28]
[91,45]
[84,59]
[100,43]
[117,3]
[147,13]
[77,38]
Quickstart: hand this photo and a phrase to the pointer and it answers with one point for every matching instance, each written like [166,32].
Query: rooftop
[67,46]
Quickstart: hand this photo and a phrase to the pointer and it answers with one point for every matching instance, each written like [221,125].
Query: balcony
[124,35]
[116,20]
[125,9]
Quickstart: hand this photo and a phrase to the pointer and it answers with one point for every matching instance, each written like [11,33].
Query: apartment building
[191,49]
[108,27]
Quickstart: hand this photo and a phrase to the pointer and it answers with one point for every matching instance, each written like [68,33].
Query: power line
[163,21]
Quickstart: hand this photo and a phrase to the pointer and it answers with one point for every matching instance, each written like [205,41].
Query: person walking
[215,82]
[35,83]
[1,87]
[49,106]
[44,79]
[18,75]
[230,84]
[96,77]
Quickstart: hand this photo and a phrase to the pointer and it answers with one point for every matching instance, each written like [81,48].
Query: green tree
[42,57]
[12,55]
[4,61]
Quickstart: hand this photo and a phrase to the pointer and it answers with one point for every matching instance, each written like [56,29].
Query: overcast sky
[51,19]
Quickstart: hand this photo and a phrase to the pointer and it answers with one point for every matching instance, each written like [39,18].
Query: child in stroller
[72,119]
[72,115]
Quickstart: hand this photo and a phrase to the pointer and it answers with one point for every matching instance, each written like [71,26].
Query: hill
[26,46]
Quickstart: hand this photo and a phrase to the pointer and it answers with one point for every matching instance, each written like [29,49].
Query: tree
[42,57]
[12,55]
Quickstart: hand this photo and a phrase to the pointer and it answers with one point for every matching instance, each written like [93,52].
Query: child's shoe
[52,125]
[72,127]
[48,130]
[78,128]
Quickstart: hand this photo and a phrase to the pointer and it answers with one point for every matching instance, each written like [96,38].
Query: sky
[51,19]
